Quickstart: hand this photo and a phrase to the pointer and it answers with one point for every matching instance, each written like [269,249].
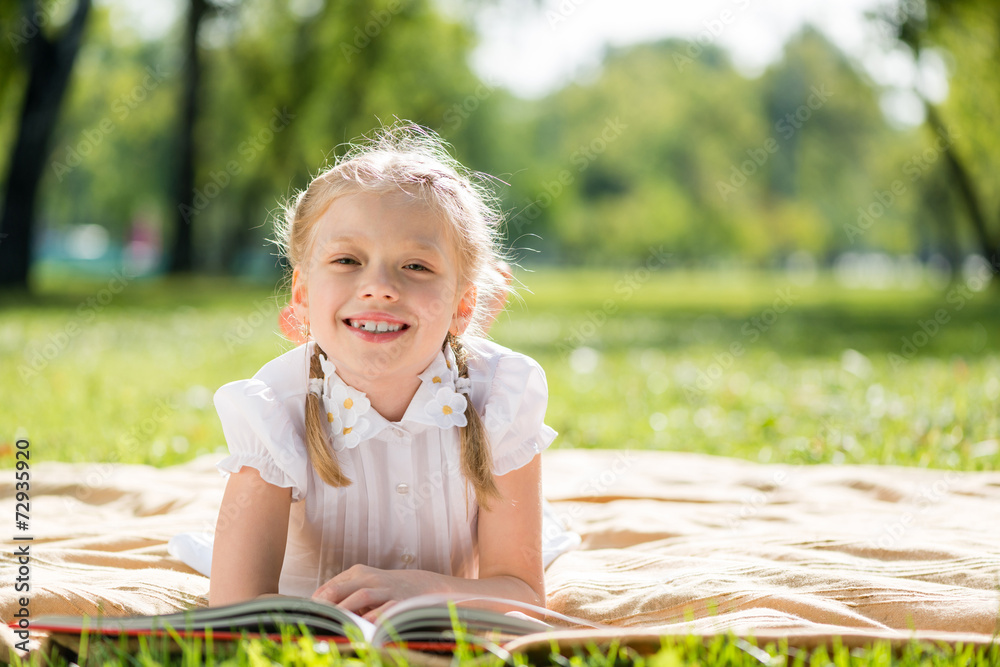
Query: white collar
[440,400]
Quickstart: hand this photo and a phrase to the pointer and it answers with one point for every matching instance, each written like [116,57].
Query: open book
[427,622]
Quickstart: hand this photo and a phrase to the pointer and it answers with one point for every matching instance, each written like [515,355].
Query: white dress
[408,505]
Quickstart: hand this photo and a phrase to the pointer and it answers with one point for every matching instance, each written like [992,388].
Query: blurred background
[815,182]
[162,137]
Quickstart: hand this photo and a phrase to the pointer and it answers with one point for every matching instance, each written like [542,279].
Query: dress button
[402,488]
[407,559]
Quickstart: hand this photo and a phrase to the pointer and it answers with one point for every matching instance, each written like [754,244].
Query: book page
[513,608]
[429,618]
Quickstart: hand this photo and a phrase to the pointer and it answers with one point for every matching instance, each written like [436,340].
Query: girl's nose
[379,284]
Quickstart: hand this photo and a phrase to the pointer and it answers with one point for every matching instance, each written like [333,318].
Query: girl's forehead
[398,217]
[397,201]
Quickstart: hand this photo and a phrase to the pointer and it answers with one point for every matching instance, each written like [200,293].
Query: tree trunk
[966,189]
[50,62]
[182,255]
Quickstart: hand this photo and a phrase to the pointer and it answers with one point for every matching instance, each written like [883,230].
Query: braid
[475,445]
[317,443]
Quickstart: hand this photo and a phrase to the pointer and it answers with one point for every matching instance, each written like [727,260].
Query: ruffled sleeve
[261,436]
[514,414]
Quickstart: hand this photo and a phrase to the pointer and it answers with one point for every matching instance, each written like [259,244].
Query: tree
[182,256]
[823,113]
[964,128]
[283,90]
[49,59]
[708,162]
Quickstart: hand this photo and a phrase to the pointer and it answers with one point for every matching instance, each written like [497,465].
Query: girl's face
[381,288]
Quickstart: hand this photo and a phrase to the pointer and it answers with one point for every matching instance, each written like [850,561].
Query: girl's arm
[510,536]
[249,539]
[510,557]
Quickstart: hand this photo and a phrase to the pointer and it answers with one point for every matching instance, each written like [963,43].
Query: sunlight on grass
[752,366]
[761,368]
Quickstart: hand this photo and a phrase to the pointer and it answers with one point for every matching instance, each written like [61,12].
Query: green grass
[721,651]
[699,362]
[706,363]
[691,362]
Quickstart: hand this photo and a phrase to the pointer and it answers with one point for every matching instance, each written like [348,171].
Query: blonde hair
[413,160]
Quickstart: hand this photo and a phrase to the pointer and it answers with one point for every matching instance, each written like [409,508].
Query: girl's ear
[300,297]
[463,314]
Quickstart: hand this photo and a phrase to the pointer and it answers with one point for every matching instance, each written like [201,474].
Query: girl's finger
[364,600]
[327,593]
[335,590]
[374,614]
[343,584]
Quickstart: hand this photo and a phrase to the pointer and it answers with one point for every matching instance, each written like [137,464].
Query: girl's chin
[375,361]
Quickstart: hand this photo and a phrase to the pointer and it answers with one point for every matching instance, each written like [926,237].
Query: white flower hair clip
[447,408]
[346,407]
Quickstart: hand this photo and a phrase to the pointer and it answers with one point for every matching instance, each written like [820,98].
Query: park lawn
[722,651]
[757,366]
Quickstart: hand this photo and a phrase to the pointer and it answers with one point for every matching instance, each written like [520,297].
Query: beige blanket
[671,543]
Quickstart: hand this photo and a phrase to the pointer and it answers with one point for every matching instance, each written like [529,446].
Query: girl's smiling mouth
[376,326]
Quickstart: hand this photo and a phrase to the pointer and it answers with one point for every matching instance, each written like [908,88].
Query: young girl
[394,453]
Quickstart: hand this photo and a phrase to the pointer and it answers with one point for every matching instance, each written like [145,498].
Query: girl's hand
[370,591]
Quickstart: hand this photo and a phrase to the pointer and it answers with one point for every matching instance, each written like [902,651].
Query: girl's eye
[345,260]
[416,267]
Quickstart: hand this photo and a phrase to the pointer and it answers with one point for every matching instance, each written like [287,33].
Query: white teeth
[377,327]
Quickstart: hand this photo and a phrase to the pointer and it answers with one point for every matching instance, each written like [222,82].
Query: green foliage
[280,93]
[665,143]
[965,35]
[971,35]
[112,153]
[665,148]
[331,77]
